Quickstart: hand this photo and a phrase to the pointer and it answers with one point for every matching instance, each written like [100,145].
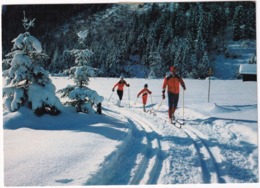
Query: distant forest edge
[149,37]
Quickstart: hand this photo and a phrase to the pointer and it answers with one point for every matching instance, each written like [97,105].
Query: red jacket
[144,91]
[173,82]
[120,85]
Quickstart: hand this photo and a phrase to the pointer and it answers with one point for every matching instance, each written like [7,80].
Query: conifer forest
[121,36]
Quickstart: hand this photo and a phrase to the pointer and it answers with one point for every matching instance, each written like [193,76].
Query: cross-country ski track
[160,148]
[143,160]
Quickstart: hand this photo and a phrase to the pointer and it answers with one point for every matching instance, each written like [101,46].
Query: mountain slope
[188,35]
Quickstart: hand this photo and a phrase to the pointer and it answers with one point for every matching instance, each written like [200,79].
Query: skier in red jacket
[145,91]
[172,83]
[120,88]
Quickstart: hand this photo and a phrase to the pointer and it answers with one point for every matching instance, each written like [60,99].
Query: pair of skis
[178,123]
[152,111]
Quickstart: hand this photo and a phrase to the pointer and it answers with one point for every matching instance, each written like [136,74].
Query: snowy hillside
[194,36]
[217,144]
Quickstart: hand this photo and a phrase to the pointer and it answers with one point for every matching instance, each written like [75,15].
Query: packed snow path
[157,151]
[140,161]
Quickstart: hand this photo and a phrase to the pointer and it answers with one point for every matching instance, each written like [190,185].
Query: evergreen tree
[80,96]
[178,58]
[250,21]
[237,23]
[179,21]
[27,82]
[155,64]
[167,35]
[187,51]
[219,17]
[55,65]
[193,72]
[204,66]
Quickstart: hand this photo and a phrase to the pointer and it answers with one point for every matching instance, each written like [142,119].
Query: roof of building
[248,69]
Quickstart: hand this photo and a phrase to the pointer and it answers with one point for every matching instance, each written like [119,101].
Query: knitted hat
[172,68]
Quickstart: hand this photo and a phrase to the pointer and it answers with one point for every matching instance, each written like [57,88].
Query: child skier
[145,91]
[120,88]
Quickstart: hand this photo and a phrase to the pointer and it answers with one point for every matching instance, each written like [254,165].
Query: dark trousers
[173,100]
[120,94]
[173,103]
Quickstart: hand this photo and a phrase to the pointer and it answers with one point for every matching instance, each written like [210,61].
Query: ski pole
[151,102]
[160,105]
[151,110]
[110,96]
[183,105]
[183,120]
[129,96]
[135,100]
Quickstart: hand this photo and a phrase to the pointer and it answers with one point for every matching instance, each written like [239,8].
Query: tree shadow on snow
[68,121]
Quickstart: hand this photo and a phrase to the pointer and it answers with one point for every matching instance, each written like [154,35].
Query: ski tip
[176,124]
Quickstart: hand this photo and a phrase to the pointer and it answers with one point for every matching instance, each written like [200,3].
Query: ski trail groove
[149,170]
[116,168]
[209,166]
[140,170]
[139,159]
[208,162]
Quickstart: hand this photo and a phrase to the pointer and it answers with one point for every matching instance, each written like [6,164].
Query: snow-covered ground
[227,68]
[218,143]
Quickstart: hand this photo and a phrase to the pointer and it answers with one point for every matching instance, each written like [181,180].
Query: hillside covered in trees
[147,36]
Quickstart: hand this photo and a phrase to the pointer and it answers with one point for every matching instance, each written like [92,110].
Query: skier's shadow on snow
[148,107]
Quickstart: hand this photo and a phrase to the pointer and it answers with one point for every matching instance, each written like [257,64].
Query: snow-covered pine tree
[204,66]
[178,57]
[79,95]
[27,82]
[151,75]
[237,23]
[155,62]
[193,65]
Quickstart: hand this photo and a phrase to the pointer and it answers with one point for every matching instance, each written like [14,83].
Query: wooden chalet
[248,71]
